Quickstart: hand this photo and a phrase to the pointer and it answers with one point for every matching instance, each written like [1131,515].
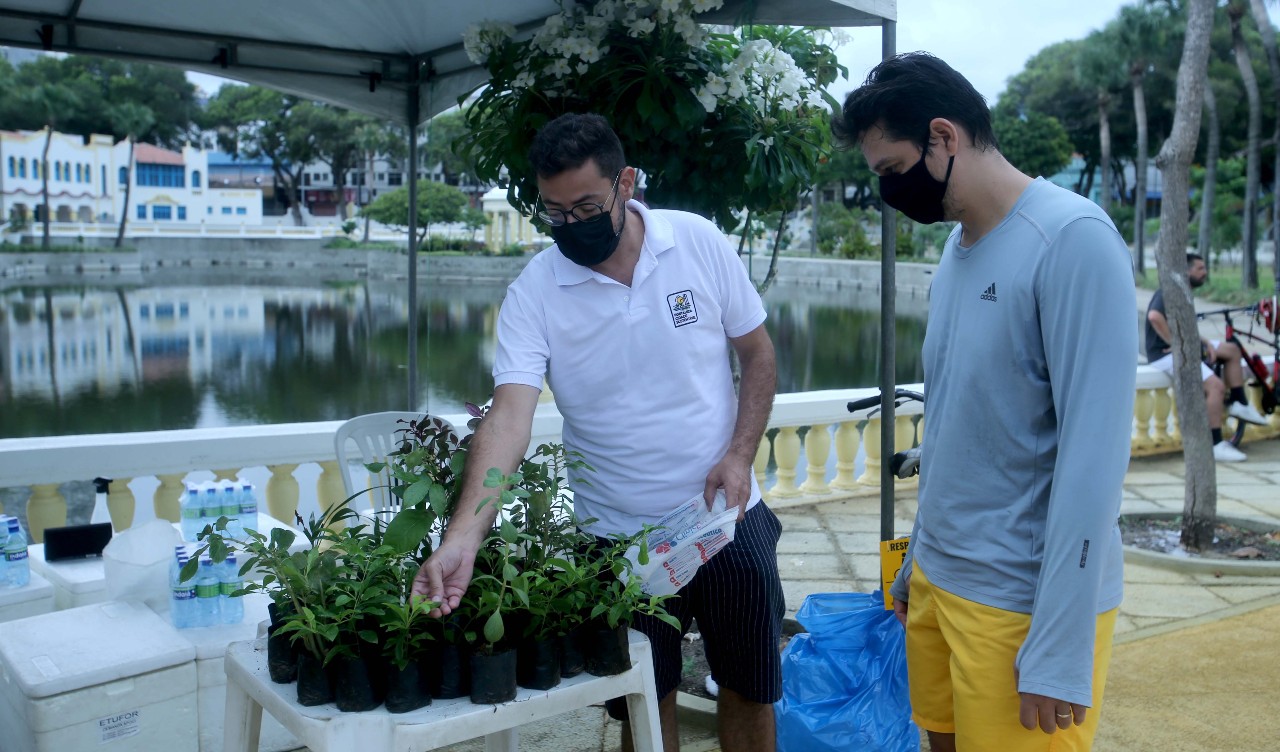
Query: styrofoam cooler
[210,645]
[111,676]
[36,597]
[76,582]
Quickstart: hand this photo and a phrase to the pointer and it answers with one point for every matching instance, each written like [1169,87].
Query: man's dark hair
[567,142]
[1193,257]
[902,94]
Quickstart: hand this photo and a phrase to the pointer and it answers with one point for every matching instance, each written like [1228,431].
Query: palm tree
[1268,33]
[133,120]
[375,139]
[51,103]
[1253,160]
[1138,31]
[1098,69]
[1209,194]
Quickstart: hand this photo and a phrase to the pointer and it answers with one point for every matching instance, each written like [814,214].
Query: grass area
[37,248]
[348,243]
[1224,285]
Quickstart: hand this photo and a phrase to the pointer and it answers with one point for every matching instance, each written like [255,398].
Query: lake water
[209,349]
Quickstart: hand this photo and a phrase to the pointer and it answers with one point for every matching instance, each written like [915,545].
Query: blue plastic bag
[844,682]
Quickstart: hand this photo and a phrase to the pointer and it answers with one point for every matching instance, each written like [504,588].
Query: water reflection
[163,356]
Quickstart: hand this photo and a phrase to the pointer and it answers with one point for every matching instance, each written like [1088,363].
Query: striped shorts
[737,599]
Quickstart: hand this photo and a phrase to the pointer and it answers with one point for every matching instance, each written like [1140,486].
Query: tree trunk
[1205,245]
[44,188]
[1268,33]
[293,181]
[1200,507]
[1140,175]
[1104,145]
[128,184]
[368,196]
[1253,162]
[772,274]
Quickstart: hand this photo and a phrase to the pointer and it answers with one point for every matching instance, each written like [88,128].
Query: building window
[142,211]
[195,178]
[124,175]
[22,167]
[208,210]
[162,212]
[88,172]
[78,176]
[57,171]
[242,211]
[13,167]
[144,311]
[226,210]
[306,179]
[104,180]
[162,176]
[395,178]
[35,169]
[182,213]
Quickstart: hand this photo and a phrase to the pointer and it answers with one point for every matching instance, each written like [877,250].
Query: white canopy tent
[399,59]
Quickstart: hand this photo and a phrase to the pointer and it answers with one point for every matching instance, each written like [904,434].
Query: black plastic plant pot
[282,657]
[605,651]
[538,663]
[405,689]
[313,681]
[493,677]
[571,661]
[451,675]
[353,685]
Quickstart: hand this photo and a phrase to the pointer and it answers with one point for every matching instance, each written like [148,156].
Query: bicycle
[905,464]
[1265,314]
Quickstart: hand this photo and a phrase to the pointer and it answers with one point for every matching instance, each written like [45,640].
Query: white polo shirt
[641,373]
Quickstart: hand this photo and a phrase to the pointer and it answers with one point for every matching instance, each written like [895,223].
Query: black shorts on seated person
[737,599]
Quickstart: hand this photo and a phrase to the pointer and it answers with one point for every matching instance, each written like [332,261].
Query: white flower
[481,39]
[559,68]
[706,98]
[582,68]
[689,29]
[767,143]
[702,6]
[523,81]
[591,54]
[641,27]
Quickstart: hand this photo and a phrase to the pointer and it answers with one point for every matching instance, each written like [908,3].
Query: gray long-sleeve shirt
[1029,373]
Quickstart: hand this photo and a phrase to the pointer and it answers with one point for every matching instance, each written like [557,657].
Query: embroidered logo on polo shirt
[682,308]
[990,294]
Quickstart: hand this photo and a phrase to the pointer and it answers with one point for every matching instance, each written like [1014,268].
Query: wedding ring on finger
[1063,715]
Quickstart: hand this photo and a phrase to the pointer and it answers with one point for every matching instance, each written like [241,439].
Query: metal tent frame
[402,60]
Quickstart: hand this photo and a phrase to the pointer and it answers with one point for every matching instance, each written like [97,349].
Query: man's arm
[755,401]
[500,441]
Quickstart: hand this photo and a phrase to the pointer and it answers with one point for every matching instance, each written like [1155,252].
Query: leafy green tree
[259,123]
[474,220]
[848,168]
[1236,12]
[133,119]
[437,204]
[1033,142]
[376,139]
[337,144]
[443,146]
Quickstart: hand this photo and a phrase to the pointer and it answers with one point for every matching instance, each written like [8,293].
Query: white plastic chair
[375,436]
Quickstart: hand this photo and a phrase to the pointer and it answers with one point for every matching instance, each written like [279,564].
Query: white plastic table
[324,728]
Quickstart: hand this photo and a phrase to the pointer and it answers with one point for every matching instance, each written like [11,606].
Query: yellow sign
[892,554]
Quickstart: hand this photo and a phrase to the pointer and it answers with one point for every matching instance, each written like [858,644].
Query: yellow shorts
[960,657]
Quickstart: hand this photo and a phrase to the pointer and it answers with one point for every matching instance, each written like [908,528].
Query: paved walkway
[1174,624]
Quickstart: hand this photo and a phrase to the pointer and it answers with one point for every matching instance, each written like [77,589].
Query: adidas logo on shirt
[990,294]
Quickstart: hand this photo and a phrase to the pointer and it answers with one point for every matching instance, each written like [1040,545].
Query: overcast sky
[986,40]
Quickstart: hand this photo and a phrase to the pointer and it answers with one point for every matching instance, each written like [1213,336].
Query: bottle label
[227,588]
[183,593]
[208,591]
[15,555]
[249,507]
[191,513]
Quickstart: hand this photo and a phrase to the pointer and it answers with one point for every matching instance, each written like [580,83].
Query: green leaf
[408,528]
[494,630]
[417,492]
[508,532]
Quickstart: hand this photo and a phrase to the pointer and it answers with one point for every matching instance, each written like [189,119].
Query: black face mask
[591,242]
[916,193]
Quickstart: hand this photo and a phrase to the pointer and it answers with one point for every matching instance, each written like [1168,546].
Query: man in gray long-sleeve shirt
[1029,384]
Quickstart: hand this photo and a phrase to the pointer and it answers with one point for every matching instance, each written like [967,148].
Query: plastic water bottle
[230,494]
[4,536]
[17,567]
[182,595]
[208,591]
[191,513]
[232,609]
[210,504]
[248,506]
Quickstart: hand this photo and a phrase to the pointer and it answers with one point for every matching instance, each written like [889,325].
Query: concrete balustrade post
[228,474]
[1175,430]
[1161,417]
[45,509]
[786,452]
[283,493]
[331,491]
[817,448]
[846,454]
[120,504]
[871,446]
[760,464]
[167,500]
[1144,404]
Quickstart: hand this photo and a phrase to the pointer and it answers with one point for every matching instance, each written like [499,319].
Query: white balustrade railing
[814,450]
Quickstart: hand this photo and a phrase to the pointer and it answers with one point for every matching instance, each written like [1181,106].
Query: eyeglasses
[584,212]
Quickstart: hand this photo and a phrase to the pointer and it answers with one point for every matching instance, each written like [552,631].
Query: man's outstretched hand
[444,577]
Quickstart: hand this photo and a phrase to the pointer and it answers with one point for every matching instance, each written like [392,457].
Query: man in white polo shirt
[629,318]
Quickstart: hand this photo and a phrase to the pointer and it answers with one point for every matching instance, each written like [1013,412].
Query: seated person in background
[1216,393]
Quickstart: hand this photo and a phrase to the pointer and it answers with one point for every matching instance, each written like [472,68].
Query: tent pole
[414,91]
[888,326]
